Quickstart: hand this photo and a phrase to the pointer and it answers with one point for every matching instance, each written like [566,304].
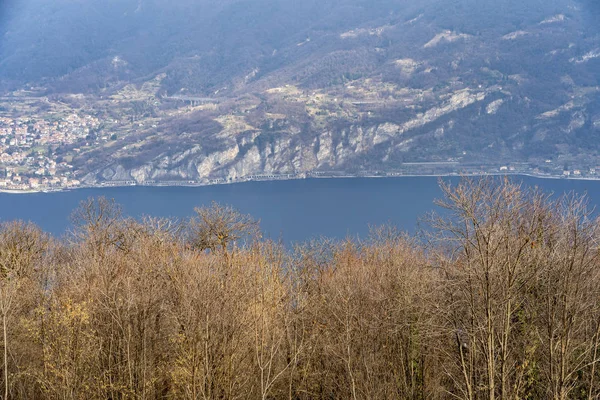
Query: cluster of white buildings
[18,182]
[25,132]
[24,162]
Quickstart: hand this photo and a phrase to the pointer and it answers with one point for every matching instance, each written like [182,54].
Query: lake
[289,210]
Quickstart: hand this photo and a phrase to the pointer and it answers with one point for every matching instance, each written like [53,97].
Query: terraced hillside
[198,92]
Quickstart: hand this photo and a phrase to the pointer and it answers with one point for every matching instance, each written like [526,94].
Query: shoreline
[249,180]
[16,191]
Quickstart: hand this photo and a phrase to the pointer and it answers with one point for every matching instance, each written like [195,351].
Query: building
[34,183]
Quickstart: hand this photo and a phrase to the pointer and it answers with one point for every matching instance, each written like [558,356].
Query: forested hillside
[499,300]
[203,92]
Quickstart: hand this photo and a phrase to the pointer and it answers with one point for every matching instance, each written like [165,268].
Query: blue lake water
[289,210]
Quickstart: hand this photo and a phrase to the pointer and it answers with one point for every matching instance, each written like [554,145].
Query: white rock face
[141,174]
[340,153]
[554,19]
[290,151]
[309,160]
[325,156]
[117,173]
[460,99]
[494,106]
[405,145]
[553,113]
[177,158]
[208,164]
[515,35]
[446,37]
[407,66]
[577,121]
[250,163]
[249,139]
[385,132]
[356,33]
[356,139]
[586,57]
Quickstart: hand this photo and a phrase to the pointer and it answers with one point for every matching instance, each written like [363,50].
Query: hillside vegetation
[202,92]
[499,300]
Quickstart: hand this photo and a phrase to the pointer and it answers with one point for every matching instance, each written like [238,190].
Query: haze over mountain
[210,91]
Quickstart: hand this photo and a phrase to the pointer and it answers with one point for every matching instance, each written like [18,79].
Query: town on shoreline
[44,185]
[41,151]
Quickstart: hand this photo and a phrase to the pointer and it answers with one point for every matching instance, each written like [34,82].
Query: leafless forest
[499,300]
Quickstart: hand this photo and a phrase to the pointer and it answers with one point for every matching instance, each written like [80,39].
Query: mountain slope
[206,91]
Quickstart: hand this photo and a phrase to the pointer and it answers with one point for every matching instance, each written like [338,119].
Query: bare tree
[489,264]
[100,223]
[21,247]
[219,227]
[272,316]
[569,301]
